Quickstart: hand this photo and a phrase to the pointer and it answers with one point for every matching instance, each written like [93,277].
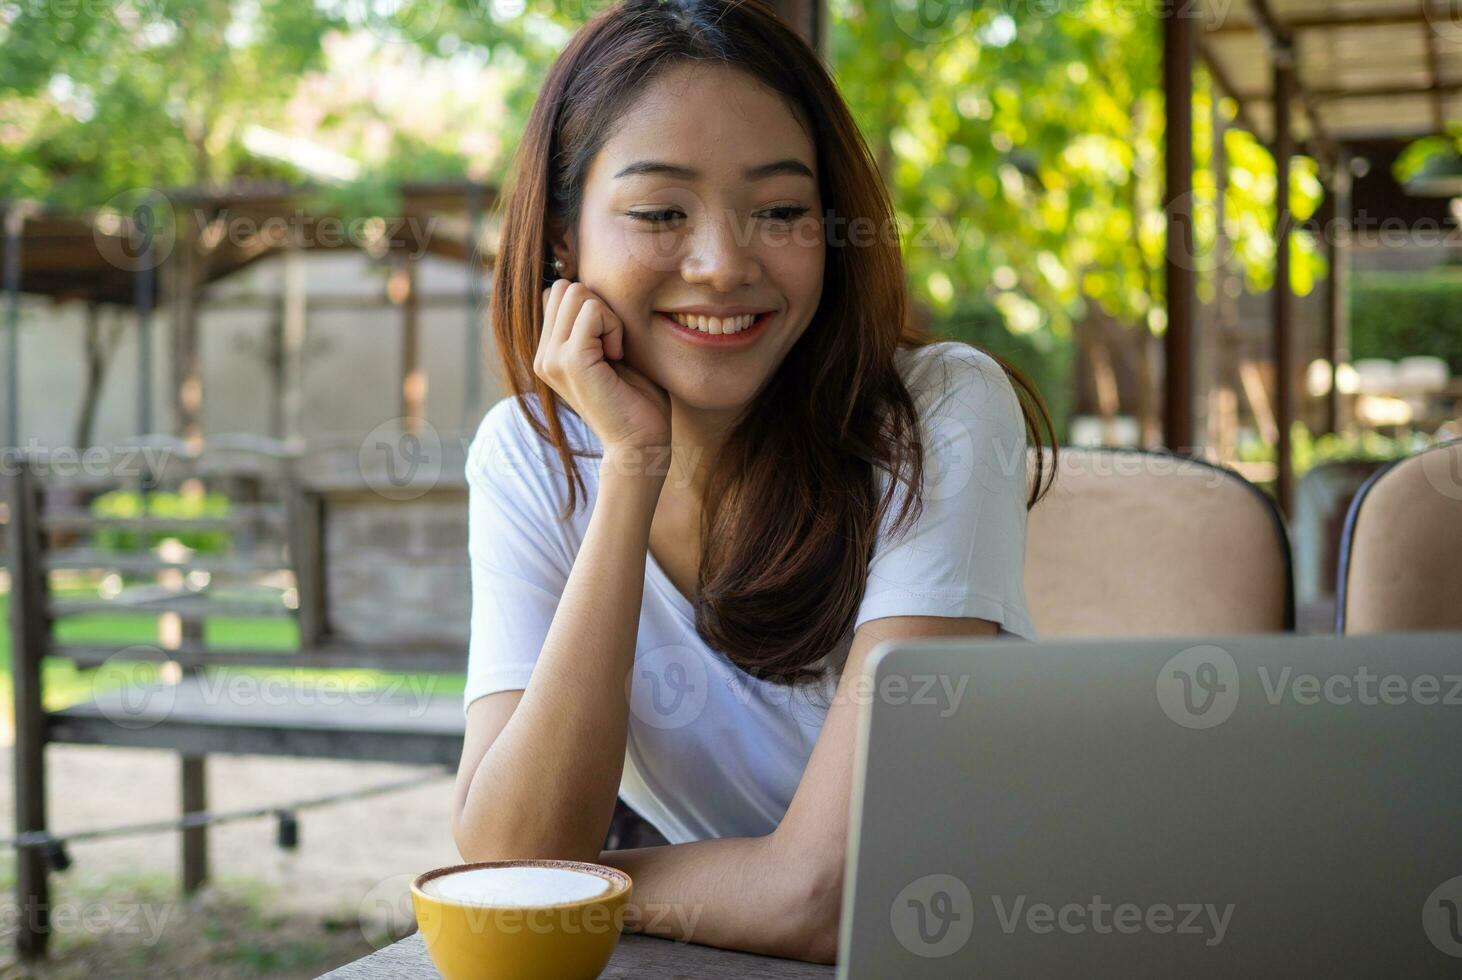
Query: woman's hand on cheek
[580,356]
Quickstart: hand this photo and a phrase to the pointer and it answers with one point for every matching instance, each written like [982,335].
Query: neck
[697,436]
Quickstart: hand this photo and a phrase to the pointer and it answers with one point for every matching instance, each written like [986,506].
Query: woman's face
[676,216]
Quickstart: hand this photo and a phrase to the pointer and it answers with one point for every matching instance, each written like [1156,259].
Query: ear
[561,244]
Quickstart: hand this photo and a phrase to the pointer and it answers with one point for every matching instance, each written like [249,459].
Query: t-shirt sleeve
[964,556]
[519,562]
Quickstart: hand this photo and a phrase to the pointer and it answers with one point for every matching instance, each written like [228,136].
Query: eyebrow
[789,165]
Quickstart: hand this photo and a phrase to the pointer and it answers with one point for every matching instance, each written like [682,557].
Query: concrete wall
[351,367]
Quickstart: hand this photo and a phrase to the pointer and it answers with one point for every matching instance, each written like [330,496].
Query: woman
[684,536]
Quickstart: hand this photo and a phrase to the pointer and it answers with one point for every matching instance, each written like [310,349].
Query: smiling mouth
[698,330]
[716,326]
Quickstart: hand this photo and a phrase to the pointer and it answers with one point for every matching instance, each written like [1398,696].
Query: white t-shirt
[711,751]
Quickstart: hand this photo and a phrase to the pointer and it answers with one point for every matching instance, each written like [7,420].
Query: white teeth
[714,325]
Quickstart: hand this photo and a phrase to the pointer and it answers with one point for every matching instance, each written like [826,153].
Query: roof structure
[1365,70]
[89,258]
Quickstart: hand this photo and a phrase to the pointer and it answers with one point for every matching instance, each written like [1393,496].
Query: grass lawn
[63,683]
[138,926]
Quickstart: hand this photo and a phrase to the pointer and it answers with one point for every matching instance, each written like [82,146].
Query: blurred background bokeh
[275,220]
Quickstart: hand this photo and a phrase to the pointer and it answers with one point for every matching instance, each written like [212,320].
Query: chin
[706,398]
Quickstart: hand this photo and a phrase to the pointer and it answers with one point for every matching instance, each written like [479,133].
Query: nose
[723,254]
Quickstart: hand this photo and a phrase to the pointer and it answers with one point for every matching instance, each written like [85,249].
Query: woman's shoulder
[951,377]
[507,451]
[507,422]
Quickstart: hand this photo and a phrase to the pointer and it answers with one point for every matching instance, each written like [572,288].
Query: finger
[590,327]
[571,304]
[612,334]
[551,304]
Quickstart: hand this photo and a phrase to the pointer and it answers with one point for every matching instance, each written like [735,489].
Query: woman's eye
[655,217]
[787,213]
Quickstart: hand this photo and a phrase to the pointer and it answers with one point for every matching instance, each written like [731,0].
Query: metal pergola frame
[1299,114]
[75,258]
[1297,110]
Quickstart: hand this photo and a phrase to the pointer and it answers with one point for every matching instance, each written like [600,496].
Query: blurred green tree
[1022,142]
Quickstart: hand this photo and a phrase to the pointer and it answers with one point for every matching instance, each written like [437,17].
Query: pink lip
[733,341]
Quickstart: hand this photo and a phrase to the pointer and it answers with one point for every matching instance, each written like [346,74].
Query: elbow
[813,867]
[824,906]
[817,910]
[479,840]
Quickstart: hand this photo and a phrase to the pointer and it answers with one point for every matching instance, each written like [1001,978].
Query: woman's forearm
[546,787]
[732,892]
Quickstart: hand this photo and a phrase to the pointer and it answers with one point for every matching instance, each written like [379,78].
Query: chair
[1142,543]
[1401,550]
[368,564]
[270,545]
[1321,502]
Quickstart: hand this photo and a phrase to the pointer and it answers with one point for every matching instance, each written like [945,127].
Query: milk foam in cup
[537,919]
[516,887]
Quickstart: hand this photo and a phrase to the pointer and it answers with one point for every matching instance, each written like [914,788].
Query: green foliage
[1397,314]
[1022,145]
[1043,358]
[1308,450]
[1428,154]
[120,95]
[1024,152]
[128,503]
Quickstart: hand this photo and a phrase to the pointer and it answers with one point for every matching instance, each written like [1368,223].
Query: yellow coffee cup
[500,936]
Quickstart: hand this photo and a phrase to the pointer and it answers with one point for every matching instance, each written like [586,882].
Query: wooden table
[636,957]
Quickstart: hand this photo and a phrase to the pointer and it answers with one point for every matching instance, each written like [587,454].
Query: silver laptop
[1218,807]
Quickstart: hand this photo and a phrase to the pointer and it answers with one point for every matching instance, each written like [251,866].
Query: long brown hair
[791,511]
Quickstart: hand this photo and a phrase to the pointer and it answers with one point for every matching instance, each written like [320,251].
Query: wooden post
[187,376]
[1337,287]
[194,792]
[1281,297]
[808,18]
[413,379]
[1221,378]
[307,555]
[14,221]
[472,366]
[292,342]
[1180,261]
[144,288]
[29,633]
